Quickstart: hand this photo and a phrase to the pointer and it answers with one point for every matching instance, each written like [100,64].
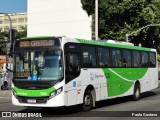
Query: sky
[13,6]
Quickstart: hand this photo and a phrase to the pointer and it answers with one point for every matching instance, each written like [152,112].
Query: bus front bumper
[56,101]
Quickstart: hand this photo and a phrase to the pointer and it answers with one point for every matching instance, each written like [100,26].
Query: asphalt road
[119,108]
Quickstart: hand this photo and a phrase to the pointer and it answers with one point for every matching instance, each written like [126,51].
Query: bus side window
[152,59]
[145,59]
[136,59]
[72,65]
[88,57]
[126,61]
[116,58]
[103,57]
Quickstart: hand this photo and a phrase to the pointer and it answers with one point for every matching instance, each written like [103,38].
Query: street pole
[127,37]
[150,25]
[10,32]
[96,19]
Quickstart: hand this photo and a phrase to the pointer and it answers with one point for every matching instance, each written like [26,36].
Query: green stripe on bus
[120,80]
[34,93]
[112,45]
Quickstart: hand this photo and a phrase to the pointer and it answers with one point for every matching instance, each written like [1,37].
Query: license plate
[31,100]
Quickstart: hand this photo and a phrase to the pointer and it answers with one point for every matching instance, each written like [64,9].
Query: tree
[4,38]
[119,17]
[22,33]
[3,41]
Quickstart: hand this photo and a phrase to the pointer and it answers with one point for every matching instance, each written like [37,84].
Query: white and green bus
[61,71]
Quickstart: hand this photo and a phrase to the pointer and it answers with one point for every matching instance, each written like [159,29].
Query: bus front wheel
[87,101]
[137,93]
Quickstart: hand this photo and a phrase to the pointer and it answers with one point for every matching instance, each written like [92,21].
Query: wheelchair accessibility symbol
[34,77]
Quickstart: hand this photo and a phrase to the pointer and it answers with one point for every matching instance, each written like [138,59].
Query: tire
[87,101]
[137,92]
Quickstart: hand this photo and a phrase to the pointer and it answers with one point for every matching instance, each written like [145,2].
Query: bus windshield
[38,65]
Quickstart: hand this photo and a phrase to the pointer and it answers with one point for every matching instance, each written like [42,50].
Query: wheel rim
[87,100]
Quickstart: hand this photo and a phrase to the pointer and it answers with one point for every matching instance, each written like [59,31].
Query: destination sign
[37,43]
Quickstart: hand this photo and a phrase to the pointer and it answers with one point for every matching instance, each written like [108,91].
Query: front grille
[38,99]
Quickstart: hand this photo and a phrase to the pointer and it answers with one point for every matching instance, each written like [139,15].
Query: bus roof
[116,45]
[37,37]
[101,42]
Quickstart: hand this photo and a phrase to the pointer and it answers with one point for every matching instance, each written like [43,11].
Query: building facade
[19,21]
[58,18]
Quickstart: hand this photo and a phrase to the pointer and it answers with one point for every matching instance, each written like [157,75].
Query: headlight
[56,92]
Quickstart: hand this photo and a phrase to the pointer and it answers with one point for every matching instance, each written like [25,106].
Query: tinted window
[145,59]
[136,59]
[103,57]
[72,66]
[126,61]
[72,61]
[88,56]
[116,58]
[152,59]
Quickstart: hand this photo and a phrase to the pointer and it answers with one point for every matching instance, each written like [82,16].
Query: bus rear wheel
[87,101]
[137,93]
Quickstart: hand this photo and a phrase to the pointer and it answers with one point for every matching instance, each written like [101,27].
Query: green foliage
[4,38]
[119,17]
[22,33]
[158,57]
[3,41]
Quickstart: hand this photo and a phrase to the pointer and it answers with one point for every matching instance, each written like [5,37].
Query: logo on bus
[95,76]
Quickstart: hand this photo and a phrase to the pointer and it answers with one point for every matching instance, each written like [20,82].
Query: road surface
[119,108]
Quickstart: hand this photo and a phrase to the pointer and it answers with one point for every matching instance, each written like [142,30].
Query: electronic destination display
[38,43]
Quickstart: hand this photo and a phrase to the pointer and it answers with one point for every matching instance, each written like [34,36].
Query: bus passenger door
[72,72]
